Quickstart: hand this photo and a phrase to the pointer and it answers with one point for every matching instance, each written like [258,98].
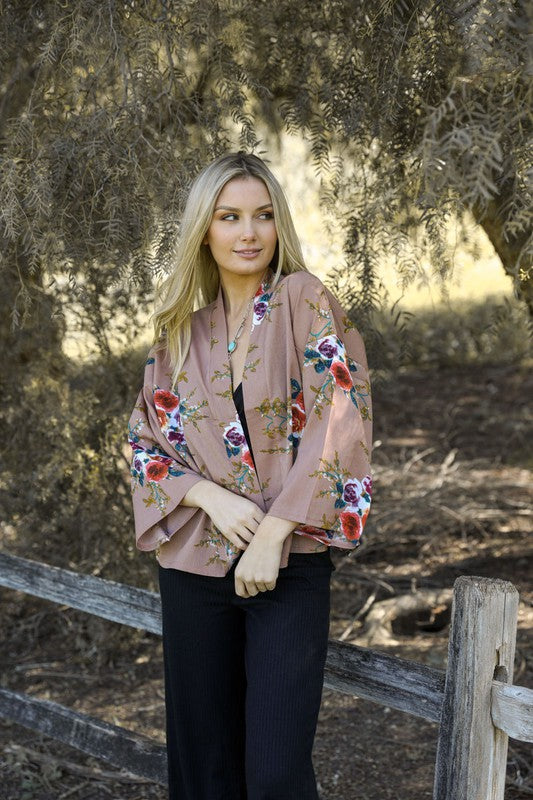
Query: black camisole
[237,399]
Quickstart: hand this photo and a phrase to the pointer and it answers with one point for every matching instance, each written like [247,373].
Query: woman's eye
[267,214]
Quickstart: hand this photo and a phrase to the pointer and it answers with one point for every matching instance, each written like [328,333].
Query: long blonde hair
[194,281]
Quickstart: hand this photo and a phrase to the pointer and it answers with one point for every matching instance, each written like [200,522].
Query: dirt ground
[452,465]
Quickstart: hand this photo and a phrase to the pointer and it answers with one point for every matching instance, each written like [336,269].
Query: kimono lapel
[219,363]
[219,374]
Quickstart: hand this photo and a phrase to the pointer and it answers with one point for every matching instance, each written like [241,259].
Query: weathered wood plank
[398,683]
[395,682]
[118,602]
[471,752]
[476,712]
[512,710]
[120,747]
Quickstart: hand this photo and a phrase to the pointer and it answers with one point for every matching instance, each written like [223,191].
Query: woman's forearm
[275,527]
[202,494]
[205,493]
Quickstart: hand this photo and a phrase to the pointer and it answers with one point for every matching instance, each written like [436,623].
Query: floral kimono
[307,402]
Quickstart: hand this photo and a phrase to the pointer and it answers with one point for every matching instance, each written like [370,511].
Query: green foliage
[65,478]
[412,110]
[461,333]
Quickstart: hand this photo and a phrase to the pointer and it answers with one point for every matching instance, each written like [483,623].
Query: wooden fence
[474,701]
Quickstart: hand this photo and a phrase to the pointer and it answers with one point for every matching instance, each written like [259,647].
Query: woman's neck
[238,290]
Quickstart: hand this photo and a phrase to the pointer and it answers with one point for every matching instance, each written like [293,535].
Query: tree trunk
[509,250]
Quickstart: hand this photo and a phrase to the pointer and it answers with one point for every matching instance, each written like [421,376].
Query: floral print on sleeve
[298,416]
[150,466]
[329,487]
[171,411]
[352,497]
[329,353]
[160,473]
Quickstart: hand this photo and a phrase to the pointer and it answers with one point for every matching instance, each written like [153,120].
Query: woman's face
[242,234]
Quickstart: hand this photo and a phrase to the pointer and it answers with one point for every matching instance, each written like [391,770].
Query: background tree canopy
[415,111]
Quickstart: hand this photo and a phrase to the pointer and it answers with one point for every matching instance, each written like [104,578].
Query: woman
[251,441]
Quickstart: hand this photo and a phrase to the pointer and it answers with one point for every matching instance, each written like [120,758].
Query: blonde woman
[251,440]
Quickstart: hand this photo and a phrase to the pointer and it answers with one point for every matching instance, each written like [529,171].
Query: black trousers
[243,682]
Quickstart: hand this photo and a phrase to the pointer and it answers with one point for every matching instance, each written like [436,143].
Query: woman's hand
[248,528]
[237,518]
[258,568]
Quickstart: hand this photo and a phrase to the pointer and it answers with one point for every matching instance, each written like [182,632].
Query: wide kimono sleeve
[161,469]
[329,485]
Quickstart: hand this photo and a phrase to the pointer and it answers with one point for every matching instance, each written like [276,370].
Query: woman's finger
[236,540]
[265,587]
[240,587]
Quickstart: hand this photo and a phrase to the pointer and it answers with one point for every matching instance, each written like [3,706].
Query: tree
[414,110]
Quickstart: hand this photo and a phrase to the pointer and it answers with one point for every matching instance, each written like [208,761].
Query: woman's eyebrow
[231,208]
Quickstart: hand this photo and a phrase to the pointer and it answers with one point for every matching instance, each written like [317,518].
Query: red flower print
[247,458]
[351,525]
[166,400]
[341,373]
[156,471]
[162,417]
[298,418]
[164,459]
[311,529]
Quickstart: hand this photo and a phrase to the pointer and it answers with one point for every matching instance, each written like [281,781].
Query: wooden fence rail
[474,700]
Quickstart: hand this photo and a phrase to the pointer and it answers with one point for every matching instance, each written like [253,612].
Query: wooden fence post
[472,753]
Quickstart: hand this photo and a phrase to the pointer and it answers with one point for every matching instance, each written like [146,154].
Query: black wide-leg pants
[243,682]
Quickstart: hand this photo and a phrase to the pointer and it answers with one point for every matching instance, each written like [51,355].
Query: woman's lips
[247,253]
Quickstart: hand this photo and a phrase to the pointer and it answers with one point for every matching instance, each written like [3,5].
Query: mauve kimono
[307,403]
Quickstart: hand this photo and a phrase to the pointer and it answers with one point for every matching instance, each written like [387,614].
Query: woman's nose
[248,230]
